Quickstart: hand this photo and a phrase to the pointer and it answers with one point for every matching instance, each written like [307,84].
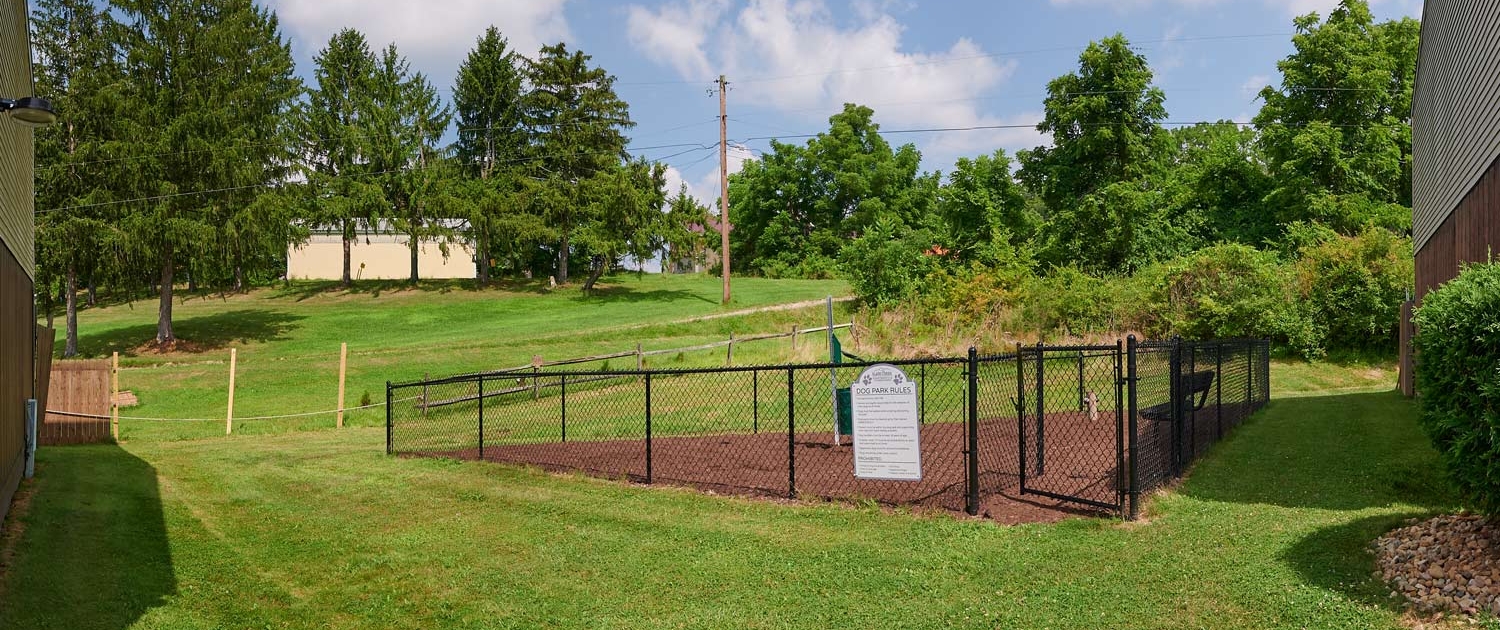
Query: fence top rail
[705,370]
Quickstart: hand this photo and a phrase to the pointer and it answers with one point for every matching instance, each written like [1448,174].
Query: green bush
[1228,291]
[1069,300]
[1458,376]
[1357,285]
[888,264]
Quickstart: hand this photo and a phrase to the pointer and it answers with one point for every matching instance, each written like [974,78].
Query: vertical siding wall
[16,233]
[1469,234]
[1455,113]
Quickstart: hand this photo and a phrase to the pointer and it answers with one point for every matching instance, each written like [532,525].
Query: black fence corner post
[791,433]
[1041,409]
[972,504]
[1020,401]
[1121,489]
[388,419]
[1132,379]
[648,427]
[481,417]
[1175,385]
[563,385]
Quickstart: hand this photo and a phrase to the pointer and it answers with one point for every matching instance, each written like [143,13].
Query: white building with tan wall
[380,253]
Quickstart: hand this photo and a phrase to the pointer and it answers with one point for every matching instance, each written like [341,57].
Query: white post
[114,396]
[229,416]
[343,362]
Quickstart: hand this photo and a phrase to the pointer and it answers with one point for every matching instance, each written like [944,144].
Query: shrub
[1069,300]
[1458,375]
[1357,285]
[1228,291]
[888,264]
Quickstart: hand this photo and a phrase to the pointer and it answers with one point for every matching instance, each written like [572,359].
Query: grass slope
[322,530]
[288,340]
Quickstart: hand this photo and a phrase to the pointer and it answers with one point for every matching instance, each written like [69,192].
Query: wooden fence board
[77,387]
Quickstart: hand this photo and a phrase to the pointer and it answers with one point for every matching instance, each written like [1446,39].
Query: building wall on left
[17,231]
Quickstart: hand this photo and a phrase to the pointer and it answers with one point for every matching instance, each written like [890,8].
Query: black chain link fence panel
[1048,421]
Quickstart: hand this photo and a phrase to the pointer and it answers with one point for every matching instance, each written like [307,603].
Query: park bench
[1195,395]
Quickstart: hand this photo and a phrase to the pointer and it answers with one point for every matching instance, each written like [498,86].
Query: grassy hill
[288,339]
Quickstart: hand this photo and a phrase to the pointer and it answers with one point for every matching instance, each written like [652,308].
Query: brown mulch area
[1450,563]
[1080,461]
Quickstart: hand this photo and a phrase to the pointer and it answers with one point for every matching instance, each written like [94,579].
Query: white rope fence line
[237,419]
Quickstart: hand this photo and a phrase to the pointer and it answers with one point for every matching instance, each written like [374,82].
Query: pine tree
[577,125]
[78,68]
[334,129]
[492,139]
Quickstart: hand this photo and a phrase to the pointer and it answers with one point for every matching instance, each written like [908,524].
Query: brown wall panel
[1470,234]
[16,369]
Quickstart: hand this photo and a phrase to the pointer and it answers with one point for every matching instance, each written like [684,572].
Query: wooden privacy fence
[82,388]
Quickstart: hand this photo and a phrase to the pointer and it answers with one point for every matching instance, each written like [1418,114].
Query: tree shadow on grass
[92,550]
[1340,452]
[1338,558]
[205,332]
[301,290]
[607,294]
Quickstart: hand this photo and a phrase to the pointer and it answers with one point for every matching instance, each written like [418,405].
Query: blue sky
[792,63]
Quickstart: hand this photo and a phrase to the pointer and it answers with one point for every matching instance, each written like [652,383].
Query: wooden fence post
[424,394]
[640,361]
[114,396]
[729,360]
[343,362]
[229,416]
[794,338]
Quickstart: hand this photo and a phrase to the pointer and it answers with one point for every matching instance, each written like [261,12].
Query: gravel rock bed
[1450,563]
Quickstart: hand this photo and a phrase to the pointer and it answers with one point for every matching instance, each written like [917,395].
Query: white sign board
[887,435]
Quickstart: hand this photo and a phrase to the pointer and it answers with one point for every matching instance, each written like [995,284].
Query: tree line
[1294,225]
[188,151]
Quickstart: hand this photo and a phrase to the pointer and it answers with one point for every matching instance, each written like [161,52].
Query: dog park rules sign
[887,436]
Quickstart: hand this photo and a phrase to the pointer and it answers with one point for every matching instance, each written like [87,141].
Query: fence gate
[1070,423]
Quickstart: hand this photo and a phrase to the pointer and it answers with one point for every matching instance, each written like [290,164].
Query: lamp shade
[32,111]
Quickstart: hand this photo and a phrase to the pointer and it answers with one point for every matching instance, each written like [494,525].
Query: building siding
[1456,112]
[16,204]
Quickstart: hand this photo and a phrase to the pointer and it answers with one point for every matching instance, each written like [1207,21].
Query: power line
[1104,124]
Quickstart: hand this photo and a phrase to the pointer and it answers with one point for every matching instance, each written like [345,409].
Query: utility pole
[724,184]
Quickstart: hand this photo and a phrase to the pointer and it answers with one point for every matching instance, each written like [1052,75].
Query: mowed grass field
[274,528]
[287,340]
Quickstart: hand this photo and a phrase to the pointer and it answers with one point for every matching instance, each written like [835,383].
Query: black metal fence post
[1041,410]
[755,394]
[922,398]
[791,434]
[1020,401]
[1130,415]
[563,385]
[648,427]
[972,504]
[1175,390]
[1249,378]
[1120,488]
[1082,396]
[1219,390]
[388,419]
[1190,413]
[481,417]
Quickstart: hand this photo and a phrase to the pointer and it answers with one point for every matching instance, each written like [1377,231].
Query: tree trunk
[413,246]
[482,257]
[348,245]
[596,270]
[562,260]
[192,283]
[70,348]
[164,336]
[93,293]
[239,278]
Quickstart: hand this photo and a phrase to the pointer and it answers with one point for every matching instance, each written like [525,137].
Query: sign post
[887,434]
[833,374]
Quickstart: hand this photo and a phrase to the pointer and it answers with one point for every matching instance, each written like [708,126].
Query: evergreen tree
[208,85]
[334,130]
[78,68]
[577,130]
[492,140]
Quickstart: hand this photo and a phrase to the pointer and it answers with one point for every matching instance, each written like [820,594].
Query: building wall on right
[1456,139]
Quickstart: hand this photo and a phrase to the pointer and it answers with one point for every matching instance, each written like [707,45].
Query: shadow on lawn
[205,332]
[1338,558]
[1340,452]
[94,550]
[304,289]
[603,294]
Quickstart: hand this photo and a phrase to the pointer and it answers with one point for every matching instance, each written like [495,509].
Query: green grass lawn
[322,530]
[278,529]
[288,341]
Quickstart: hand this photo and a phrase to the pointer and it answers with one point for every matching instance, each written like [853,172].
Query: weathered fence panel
[80,390]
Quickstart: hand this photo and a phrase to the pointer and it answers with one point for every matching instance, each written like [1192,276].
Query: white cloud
[1290,7]
[793,56]
[434,34]
[1252,86]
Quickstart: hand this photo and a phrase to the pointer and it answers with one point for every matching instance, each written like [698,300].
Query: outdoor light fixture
[29,110]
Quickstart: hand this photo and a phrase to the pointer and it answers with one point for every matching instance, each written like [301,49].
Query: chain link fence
[1088,427]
